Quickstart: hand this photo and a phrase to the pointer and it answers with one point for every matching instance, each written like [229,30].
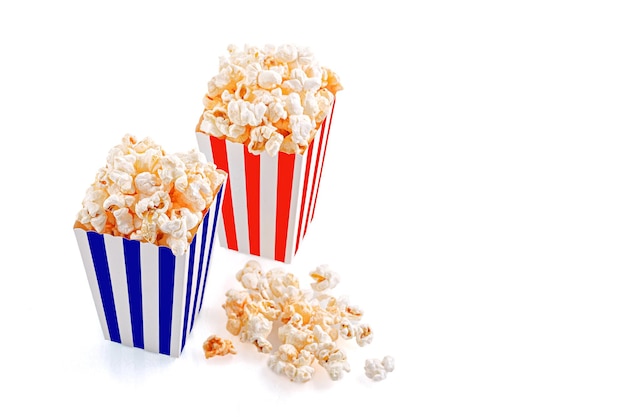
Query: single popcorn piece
[145,194]
[311,322]
[377,370]
[335,362]
[216,346]
[269,79]
[293,363]
[325,278]
[364,335]
[255,330]
[283,89]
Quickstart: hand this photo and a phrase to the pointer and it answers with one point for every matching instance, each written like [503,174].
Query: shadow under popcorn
[145,296]
[269,201]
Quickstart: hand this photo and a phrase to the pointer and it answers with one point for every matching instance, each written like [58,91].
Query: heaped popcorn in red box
[266,121]
[145,233]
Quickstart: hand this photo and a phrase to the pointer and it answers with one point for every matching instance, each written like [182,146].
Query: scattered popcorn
[216,346]
[144,194]
[311,321]
[377,370]
[282,89]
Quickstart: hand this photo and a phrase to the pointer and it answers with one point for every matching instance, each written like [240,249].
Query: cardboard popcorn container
[269,201]
[145,296]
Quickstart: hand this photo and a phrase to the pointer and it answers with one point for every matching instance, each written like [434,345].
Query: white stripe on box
[221,229]
[200,275]
[234,152]
[322,143]
[150,295]
[119,285]
[293,207]
[309,186]
[204,145]
[178,308]
[267,206]
[318,160]
[85,253]
[194,277]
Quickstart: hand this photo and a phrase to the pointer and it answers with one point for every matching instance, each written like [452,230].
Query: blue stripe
[205,224]
[167,265]
[192,252]
[215,217]
[132,259]
[103,276]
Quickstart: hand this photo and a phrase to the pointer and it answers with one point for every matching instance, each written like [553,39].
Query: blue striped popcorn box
[145,296]
[269,201]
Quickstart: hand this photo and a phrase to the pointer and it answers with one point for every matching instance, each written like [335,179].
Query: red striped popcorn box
[269,201]
[145,296]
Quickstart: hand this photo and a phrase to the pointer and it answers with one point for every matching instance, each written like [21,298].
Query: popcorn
[255,330]
[311,321]
[294,364]
[282,87]
[144,194]
[377,370]
[215,345]
[269,79]
[324,277]
[364,335]
[335,363]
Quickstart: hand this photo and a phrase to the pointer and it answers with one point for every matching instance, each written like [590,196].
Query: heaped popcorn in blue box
[145,234]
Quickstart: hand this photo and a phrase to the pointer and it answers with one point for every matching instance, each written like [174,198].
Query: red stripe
[253,198]
[283,201]
[218,147]
[309,156]
[317,161]
[325,141]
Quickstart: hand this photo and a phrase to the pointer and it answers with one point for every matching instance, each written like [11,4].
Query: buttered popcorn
[145,194]
[311,321]
[216,346]
[271,99]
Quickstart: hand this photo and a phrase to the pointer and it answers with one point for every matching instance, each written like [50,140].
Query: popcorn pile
[311,321]
[144,194]
[271,99]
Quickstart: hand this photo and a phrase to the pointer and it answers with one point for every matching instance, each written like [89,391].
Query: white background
[473,201]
